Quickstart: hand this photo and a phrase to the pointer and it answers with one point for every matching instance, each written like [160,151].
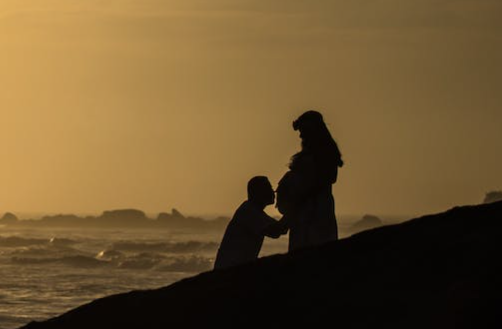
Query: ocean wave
[186,264]
[77,261]
[14,241]
[158,262]
[168,247]
[45,251]
[62,242]
[144,260]
[67,256]
[110,255]
[141,261]
[138,263]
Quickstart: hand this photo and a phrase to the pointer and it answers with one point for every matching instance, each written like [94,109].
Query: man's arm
[277,228]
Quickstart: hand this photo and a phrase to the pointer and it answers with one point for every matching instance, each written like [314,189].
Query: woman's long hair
[317,142]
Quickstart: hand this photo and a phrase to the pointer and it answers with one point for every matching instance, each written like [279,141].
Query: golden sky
[155,104]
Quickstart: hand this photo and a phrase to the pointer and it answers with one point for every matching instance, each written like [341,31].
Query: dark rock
[119,219]
[493,196]
[176,213]
[124,214]
[60,220]
[8,218]
[123,217]
[366,223]
[176,220]
[439,271]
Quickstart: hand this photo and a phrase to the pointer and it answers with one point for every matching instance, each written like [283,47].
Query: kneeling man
[249,226]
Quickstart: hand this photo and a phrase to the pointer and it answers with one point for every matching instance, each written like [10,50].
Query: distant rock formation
[121,218]
[440,271]
[8,218]
[60,220]
[493,196]
[176,213]
[176,220]
[366,223]
[123,215]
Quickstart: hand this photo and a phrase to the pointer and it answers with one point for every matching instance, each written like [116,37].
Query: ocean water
[46,272]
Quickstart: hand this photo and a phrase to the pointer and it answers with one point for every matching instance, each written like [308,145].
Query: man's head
[260,191]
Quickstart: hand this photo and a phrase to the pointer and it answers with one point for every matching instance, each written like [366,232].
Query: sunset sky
[154,104]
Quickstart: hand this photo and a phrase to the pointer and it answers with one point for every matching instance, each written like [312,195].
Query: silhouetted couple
[304,198]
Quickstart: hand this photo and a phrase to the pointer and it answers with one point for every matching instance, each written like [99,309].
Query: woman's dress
[305,196]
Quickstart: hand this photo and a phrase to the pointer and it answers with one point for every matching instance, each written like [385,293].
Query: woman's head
[309,117]
[316,138]
[311,126]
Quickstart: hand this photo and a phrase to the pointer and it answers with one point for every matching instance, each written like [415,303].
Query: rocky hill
[438,271]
